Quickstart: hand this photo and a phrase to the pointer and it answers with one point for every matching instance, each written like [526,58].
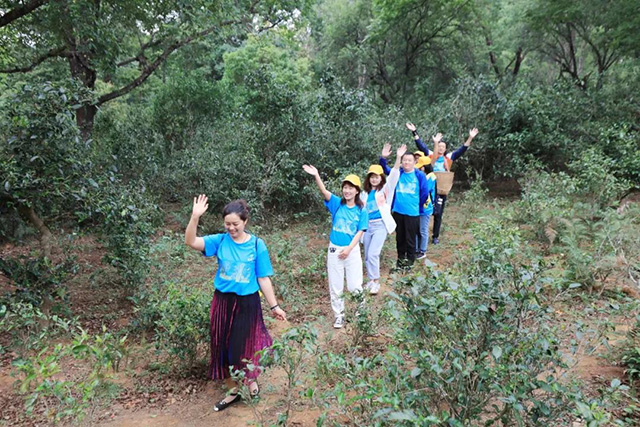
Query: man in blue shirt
[410,195]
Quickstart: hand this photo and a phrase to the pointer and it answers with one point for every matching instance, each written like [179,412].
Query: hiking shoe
[421,255]
[339,323]
[435,241]
[374,288]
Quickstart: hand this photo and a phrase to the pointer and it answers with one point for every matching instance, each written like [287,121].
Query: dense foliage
[114,114]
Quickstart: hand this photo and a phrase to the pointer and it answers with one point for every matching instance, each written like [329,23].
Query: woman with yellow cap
[381,223]
[349,222]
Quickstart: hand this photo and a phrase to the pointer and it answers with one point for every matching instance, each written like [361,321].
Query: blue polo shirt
[347,221]
[239,264]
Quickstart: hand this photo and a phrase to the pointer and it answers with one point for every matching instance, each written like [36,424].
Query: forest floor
[147,395]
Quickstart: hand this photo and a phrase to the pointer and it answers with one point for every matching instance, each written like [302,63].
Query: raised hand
[386,150]
[473,132]
[311,170]
[401,150]
[410,126]
[200,205]
[437,138]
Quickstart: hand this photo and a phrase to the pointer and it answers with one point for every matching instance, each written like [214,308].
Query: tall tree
[97,39]
[410,38]
[584,37]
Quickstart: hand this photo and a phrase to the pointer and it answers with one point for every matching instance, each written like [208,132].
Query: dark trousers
[407,228]
[438,210]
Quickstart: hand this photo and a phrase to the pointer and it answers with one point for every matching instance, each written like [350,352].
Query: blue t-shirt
[407,199]
[239,264]
[438,166]
[347,221]
[372,207]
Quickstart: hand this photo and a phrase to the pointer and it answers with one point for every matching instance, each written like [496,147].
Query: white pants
[336,269]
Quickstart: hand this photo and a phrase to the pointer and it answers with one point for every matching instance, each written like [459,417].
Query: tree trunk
[85,116]
[79,64]
[519,59]
[46,238]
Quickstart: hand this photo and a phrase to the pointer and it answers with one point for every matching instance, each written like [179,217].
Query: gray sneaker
[339,323]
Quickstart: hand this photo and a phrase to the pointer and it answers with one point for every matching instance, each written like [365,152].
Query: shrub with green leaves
[69,396]
[180,316]
[476,345]
[37,279]
[28,327]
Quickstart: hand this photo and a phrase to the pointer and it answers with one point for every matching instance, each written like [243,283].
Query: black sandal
[223,404]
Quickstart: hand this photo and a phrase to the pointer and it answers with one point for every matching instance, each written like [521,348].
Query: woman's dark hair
[238,207]
[367,183]
[427,169]
[357,198]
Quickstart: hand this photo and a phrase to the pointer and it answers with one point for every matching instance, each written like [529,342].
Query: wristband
[275,306]
[414,133]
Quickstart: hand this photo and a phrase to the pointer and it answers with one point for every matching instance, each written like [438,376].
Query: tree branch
[148,70]
[20,11]
[55,52]
[140,54]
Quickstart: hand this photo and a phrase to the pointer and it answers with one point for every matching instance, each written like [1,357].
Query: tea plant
[293,353]
[182,322]
[474,345]
[65,397]
[28,327]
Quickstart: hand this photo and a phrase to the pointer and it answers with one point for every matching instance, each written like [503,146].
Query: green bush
[37,279]
[66,397]
[180,320]
[472,346]
[28,327]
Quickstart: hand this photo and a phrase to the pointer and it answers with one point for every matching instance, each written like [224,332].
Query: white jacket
[384,199]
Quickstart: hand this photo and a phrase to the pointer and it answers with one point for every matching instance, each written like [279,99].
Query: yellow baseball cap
[418,153]
[377,169]
[423,161]
[352,179]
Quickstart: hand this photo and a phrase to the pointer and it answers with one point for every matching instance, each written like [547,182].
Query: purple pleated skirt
[237,333]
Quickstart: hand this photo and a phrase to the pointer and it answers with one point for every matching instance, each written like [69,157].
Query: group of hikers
[401,198]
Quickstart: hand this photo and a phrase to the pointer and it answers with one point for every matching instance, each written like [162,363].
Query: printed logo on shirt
[372,206]
[343,226]
[238,272]
[407,187]
[438,166]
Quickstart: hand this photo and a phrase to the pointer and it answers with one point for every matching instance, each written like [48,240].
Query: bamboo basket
[444,181]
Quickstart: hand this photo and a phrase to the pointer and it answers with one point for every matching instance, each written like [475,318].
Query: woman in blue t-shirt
[237,327]
[376,196]
[349,223]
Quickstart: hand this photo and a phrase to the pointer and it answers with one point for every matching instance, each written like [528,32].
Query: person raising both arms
[441,161]
[237,326]
[349,222]
[377,196]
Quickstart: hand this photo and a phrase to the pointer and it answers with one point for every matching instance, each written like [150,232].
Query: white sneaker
[374,288]
[339,323]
